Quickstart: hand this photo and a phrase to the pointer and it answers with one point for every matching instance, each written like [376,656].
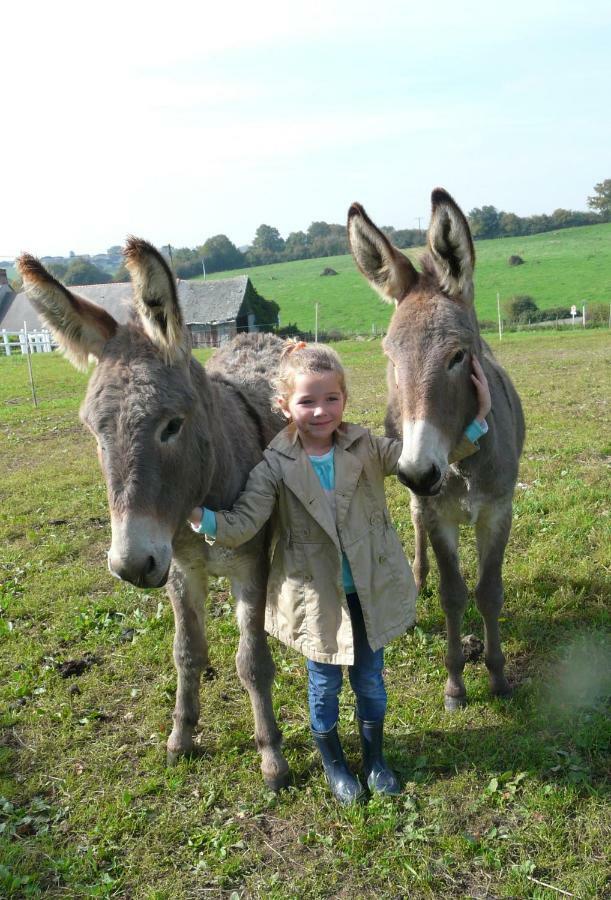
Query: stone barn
[214,311]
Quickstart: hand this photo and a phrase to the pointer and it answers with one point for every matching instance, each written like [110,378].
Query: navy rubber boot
[380,778]
[345,787]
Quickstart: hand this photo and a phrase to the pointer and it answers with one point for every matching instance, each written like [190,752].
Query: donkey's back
[244,369]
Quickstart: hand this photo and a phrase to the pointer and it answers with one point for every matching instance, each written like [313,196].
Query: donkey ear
[155,298]
[388,271]
[80,327]
[451,246]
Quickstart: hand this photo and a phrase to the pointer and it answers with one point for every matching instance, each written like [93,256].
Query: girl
[340,587]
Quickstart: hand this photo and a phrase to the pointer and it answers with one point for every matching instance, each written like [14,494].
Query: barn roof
[202,302]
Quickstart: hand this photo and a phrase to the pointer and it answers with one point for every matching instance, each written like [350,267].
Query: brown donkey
[431,338]
[172,435]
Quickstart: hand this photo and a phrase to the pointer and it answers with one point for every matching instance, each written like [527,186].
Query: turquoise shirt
[324,466]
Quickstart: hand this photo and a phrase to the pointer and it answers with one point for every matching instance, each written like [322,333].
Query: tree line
[219,253]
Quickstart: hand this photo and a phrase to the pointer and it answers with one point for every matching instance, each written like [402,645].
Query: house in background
[214,311]
[6,293]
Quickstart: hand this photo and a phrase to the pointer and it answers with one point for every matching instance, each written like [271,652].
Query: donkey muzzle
[141,551]
[425,484]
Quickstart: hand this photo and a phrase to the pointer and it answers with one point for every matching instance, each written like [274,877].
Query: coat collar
[300,478]
[287,441]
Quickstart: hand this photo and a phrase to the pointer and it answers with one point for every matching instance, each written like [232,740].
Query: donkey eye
[171,429]
[457,358]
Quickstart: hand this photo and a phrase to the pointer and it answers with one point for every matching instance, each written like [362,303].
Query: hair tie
[292,345]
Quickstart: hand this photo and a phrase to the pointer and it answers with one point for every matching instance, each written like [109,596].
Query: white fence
[17,342]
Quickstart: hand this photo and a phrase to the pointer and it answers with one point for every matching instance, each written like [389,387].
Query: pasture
[501,799]
[560,268]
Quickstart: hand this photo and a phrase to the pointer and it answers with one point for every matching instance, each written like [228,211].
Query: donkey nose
[422,483]
[145,572]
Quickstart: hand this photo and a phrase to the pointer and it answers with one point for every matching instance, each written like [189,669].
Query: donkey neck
[229,444]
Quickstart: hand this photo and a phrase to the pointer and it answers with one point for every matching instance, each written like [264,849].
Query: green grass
[498,797]
[561,268]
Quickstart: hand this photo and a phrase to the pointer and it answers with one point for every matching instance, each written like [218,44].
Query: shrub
[520,308]
[551,314]
[290,330]
[597,313]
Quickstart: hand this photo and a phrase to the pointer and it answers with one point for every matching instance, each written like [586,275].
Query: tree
[58,270]
[121,274]
[266,246]
[296,245]
[318,230]
[82,271]
[186,262]
[484,222]
[510,225]
[601,199]
[219,254]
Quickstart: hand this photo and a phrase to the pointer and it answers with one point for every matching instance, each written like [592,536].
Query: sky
[178,121]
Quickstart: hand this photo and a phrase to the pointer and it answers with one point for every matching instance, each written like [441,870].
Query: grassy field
[561,268]
[502,799]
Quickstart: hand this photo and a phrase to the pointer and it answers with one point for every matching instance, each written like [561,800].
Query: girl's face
[316,406]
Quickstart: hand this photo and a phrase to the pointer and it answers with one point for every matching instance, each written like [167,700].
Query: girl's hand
[195,516]
[480,381]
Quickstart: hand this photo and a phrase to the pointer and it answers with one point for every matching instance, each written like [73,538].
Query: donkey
[433,335]
[171,435]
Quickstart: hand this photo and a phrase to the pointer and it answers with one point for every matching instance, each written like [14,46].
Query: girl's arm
[247,516]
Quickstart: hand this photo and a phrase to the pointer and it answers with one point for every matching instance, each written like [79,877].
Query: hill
[560,268]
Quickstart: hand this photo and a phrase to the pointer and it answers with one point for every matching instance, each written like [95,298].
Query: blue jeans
[325,679]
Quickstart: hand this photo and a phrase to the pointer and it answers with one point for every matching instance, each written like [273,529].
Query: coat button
[307,578]
[381,558]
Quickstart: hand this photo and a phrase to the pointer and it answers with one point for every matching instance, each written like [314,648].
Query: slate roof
[202,302]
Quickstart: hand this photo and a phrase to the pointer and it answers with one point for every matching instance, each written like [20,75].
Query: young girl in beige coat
[340,587]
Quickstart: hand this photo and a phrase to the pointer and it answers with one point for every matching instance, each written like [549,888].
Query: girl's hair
[299,357]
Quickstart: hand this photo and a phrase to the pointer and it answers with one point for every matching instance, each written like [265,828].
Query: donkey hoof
[279,781]
[453,703]
[172,758]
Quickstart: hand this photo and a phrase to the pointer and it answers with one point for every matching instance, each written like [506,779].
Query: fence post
[27,343]
[7,343]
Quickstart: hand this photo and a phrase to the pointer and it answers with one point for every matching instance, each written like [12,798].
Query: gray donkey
[170,436]
[430,341]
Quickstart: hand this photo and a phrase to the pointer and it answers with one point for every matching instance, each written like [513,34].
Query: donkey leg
[421,562]
[453,591]
[187,590]
[256,671]
[492,533]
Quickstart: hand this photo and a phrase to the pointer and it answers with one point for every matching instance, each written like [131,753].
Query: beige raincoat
[306,603]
